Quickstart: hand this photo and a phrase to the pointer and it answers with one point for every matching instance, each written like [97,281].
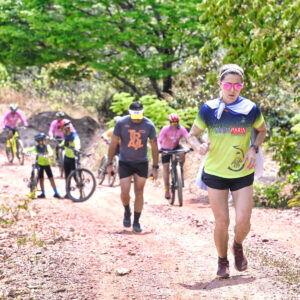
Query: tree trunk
[167,82]
[156,88]
[130,85]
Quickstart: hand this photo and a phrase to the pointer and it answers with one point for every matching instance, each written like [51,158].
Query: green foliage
[261,36]
[270,196]
[284,142]
[156,110]
[126,40]
[285,145]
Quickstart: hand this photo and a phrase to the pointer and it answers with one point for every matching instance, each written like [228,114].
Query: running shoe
[41,196]
[127,220]
[240,260]
[137,227]
[57,196]
[167,195]
[223,269]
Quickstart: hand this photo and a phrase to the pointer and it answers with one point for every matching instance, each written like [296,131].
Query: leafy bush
[285,144]
[156,110]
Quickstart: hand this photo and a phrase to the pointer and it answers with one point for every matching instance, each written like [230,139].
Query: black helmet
[40,136]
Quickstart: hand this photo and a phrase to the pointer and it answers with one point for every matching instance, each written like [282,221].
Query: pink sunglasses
[228,86]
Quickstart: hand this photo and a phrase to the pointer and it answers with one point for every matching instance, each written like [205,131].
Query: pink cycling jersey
[169,137]
[54,130]
[11,120]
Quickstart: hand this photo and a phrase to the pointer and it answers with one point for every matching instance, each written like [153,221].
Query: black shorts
[127,169]
[47,170]
[233,184]
[165,158]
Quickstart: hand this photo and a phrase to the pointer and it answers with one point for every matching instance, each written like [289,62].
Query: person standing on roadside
[230,161]
[132,133]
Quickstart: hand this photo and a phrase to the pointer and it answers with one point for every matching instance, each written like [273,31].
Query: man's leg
[125,184]
[243,208]
[139,184]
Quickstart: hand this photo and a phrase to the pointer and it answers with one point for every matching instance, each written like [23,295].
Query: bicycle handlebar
[176,151]
[77,151]
[37,154]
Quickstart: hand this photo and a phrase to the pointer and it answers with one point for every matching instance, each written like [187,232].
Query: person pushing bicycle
[169,139]
[56,129]
[11,118]
[45,152]
[71,143]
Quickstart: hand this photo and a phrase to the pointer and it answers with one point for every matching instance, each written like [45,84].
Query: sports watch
[155,166]
[255,147]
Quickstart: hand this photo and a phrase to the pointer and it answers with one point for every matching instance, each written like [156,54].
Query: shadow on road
[218,283]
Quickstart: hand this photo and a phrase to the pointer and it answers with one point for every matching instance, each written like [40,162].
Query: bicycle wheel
[9,154]
[112,178]
[179,184]
[61,155]
[34,179]
[102,169]
[20,151]
[173,185]
[81,184]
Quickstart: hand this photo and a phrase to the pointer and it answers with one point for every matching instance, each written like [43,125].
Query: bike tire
[20,151]
[179,184]
[116,167]
[9,154]
[34,179]
[61,163]
[79,177]
[173,186]
[102,170]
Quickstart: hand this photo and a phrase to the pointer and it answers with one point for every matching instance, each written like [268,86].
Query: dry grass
[30,105]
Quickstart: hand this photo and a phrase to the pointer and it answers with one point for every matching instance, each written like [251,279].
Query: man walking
[133,131]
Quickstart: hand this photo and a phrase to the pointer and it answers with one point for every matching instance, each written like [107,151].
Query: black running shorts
[127,169]
[47,170]
[233,184]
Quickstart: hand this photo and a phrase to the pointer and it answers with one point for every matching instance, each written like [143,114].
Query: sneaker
[127,220]
[240,260]
[223,269]
[41,196]
[167,195]
[57,196]
[137,227]
[66,196]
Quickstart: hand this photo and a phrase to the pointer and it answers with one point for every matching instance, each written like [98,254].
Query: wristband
[155,166]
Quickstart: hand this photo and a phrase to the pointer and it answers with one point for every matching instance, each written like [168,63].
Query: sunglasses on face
[173,123]
[228,86]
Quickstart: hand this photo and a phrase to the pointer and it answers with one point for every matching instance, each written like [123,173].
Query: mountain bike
[176,172]
[34,175]
[14,146]
[102,170]
[60,155]
[81,182]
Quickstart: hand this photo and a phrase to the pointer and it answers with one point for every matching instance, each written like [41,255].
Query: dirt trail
[65,250]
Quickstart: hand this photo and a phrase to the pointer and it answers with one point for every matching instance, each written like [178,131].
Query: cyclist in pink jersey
[169,139]
[56,129]
[11,118]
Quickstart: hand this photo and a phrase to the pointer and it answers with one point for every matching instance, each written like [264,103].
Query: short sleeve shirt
[134,138]
[230,140]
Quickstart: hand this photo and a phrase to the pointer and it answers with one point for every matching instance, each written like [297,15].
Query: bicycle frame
[12,142]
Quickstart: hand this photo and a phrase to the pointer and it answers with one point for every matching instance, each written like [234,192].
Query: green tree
[260,35]
[130,40]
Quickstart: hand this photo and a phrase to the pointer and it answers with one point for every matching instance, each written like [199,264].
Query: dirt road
[63,250]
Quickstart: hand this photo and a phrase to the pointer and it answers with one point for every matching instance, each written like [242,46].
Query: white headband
[136,112]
